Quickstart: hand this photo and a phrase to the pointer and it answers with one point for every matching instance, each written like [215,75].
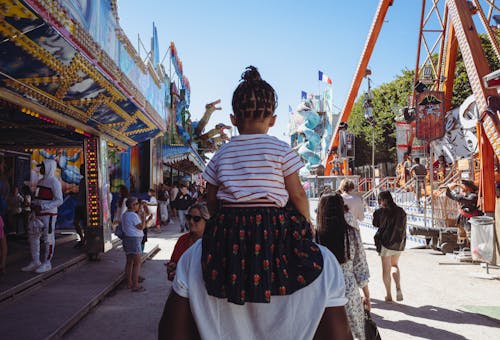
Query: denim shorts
[132,245]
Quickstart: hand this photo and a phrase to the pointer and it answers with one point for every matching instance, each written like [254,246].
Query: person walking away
[80,217]
[419,172]
[14,210]
[26,193]
[182,203]
[174,191]
[197,217]
[48,198]
[352,200]
[338,231]
[133,223]
[3,248]
[390,240]
[257,259]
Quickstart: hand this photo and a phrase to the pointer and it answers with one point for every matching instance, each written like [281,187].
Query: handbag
[119,231]
[371,330]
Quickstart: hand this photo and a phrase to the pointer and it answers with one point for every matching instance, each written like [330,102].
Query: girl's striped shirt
[251,169]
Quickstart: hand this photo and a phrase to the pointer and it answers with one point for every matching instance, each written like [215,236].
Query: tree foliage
[387,100]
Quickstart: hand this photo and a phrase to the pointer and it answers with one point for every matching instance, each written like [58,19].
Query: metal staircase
[426,220]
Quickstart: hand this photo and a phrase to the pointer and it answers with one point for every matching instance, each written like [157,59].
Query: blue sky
[288,41]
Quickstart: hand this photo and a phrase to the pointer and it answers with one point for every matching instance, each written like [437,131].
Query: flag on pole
[303,95]
[324,78]
[290,110]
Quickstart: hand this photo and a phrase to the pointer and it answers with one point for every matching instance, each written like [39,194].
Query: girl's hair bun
[251,74]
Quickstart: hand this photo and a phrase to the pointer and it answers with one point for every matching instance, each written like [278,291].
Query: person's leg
[78,229]
[34,242]
[50,239]
[136,269]
[3,254]
[182,219]
[128,270]
[396,275]
[18,221]
[48,235]
[386,276]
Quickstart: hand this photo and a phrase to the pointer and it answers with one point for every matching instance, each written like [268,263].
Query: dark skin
[177,322]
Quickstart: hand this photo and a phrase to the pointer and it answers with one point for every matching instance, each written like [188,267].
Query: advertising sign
[430,115]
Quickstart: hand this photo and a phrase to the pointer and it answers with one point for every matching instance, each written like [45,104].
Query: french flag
[324,78]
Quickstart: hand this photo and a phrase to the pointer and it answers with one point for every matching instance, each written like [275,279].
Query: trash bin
[482,238]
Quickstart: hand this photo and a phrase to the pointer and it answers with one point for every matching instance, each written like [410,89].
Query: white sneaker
[45,267]
[30,267]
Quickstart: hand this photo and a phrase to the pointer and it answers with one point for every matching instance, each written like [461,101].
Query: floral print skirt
[250,254]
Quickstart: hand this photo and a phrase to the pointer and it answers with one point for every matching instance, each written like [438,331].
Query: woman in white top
[133,225]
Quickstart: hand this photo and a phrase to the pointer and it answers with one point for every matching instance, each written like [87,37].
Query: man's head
[417,160]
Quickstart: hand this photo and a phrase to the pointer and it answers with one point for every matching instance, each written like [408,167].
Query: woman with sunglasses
[197,216]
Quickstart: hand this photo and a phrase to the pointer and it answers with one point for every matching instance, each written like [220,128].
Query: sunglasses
[195,218]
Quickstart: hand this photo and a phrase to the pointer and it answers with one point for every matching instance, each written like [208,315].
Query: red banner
[430,115]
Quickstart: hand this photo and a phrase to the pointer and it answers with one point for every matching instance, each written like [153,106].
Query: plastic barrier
[482,238]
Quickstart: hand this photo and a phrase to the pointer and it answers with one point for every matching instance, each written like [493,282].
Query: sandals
[139,289]
[399,295]
[141,279]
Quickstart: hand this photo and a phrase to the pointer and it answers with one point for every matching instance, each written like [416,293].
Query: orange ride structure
[456,20]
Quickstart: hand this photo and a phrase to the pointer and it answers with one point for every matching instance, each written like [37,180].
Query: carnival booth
[72,89]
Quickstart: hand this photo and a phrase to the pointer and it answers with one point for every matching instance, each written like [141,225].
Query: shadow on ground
[431,313]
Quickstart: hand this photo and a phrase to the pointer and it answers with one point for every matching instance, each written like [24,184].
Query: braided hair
[253,98]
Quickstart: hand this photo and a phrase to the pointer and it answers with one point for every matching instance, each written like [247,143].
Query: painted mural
[68,171]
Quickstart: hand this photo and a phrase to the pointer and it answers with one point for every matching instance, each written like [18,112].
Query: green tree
[387,99]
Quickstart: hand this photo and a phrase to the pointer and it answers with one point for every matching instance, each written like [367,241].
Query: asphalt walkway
[443,299]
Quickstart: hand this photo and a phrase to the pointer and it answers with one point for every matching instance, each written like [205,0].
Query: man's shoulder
[191,256]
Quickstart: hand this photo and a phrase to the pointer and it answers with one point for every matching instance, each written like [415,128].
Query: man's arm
[333,325]
[177,321]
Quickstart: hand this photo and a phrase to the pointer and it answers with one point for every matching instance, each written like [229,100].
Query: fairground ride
[456,20]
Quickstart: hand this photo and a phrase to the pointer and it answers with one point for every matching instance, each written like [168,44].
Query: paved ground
[441,301]
[127,315]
